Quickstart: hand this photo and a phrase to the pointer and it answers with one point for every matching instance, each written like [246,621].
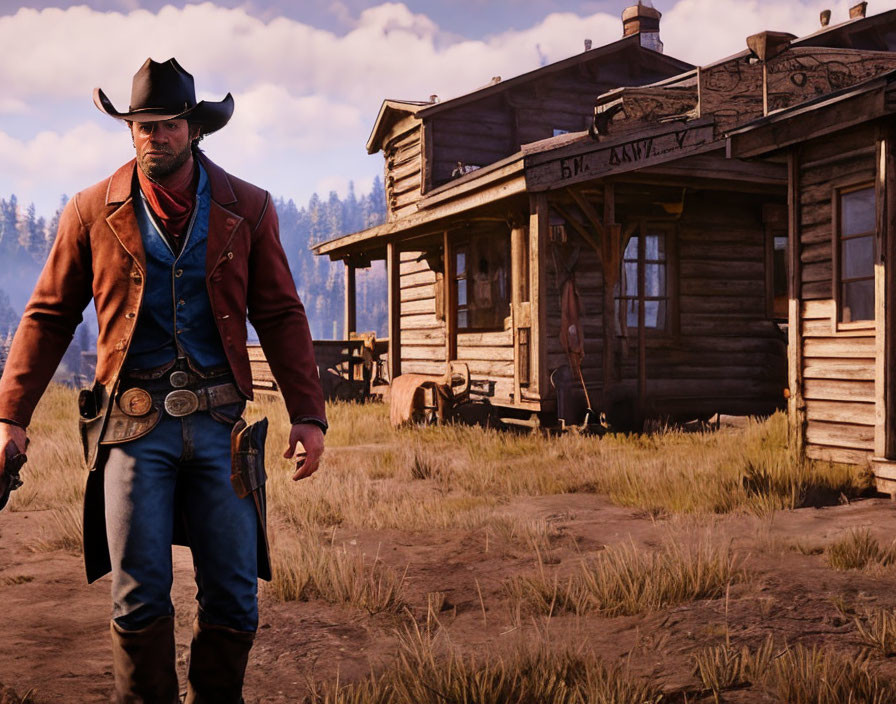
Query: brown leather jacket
[98,252]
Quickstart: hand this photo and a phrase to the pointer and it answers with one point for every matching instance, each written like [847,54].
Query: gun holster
[93,407]
[247,473]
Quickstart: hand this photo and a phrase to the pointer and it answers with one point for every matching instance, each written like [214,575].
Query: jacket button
[130,314]
[119,346]
[230,255]
[135,275]
[231,222]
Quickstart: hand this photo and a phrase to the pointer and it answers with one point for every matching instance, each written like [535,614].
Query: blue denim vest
[176,315]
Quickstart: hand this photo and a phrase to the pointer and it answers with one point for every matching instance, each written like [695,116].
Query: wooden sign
[562,167]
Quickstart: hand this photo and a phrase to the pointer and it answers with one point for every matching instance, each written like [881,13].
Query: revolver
[10,480]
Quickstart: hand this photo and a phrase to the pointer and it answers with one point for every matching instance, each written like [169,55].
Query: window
[856,225]
[651,258]
[482,281]
[779,276]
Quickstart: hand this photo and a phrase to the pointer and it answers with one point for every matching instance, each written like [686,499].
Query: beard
[158,166]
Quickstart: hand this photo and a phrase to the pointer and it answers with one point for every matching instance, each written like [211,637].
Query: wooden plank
[424,321]
[844,369]
[561,168]
[882,434]
[860,437]
[418,307]
[496,354]
[350,316]
[394,303]
[435,353]
[538,260]
[848,347]
[519,293]
[426,277]
[841,412]
[491,369]
[837,390]
[429,336]
[418,293]
[450,298]
[817,310]
[887,206]
[503,338]
[838,454]
[416,366]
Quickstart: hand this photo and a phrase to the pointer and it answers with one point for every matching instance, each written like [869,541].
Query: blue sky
[307,78]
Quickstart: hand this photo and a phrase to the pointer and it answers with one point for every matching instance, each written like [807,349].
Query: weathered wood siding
[489,355]
[487,130]
[838,367]
[403,171]
[727,355]
[422,333]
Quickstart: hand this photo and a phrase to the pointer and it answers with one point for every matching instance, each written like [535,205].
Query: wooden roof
[391,111]
[851,106]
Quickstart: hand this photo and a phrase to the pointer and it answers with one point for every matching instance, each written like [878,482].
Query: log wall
[726,355]
[422,333]
[402,178]
[838,366]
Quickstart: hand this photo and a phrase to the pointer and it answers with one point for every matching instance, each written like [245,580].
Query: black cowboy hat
[164,91]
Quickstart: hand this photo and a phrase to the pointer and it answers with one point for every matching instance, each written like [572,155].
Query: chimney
[858,11]
[644,20]
[587,45]
[825,18]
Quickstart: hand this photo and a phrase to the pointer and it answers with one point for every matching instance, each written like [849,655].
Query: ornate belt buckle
[135,402]
[181,402]
[179,379]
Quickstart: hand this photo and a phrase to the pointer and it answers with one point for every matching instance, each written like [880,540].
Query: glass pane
[655,315]
[858,211]
[857,257]
[631,314]
[781,244]
[631,249]
[462,319]
[655,247]
[461,262]
[655,280]
[858,301]
[461,292]
[631,279]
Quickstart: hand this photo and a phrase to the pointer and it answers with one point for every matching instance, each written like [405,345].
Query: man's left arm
[278,316]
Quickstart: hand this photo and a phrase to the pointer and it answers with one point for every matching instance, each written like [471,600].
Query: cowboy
[175,253]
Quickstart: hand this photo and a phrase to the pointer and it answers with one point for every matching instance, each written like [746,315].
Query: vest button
[179,273]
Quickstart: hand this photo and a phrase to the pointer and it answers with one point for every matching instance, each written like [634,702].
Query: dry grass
[626,580]
[308,570]
[534,673]
[797,675]
[877,630]
[859,550]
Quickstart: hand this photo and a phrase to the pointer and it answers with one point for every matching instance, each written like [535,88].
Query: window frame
[838,191]
[465,245]
[640,228]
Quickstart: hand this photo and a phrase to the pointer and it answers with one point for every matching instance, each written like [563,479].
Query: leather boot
[143,664]
[218,657]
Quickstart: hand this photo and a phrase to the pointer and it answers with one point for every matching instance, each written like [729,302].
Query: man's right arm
[48,325]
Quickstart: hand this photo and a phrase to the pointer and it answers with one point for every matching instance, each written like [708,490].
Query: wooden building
[632,260]
[840,155]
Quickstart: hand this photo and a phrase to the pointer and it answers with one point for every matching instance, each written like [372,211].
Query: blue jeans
[183,462]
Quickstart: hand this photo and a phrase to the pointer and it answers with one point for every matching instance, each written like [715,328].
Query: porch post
[885,286]
[393,266]
[538,242]
[351,322]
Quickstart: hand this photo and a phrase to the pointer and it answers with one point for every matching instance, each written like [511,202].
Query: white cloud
[305,97]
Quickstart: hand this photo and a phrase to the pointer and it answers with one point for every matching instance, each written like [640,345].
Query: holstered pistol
[247,473]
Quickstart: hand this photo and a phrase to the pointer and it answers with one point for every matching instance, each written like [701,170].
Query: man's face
[162,147]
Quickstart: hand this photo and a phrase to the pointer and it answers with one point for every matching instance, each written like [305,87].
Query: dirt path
[53,626]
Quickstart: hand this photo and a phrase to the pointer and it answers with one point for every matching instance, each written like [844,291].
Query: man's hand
[311,438]
[16,434]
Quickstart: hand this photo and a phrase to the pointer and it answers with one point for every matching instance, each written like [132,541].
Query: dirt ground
[53,626]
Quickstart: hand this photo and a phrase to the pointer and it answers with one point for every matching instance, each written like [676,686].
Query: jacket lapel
[222,222]
[123,221]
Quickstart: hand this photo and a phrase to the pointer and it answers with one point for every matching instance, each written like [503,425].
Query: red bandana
[174,205]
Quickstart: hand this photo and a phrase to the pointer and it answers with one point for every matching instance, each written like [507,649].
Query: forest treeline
[27,236]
